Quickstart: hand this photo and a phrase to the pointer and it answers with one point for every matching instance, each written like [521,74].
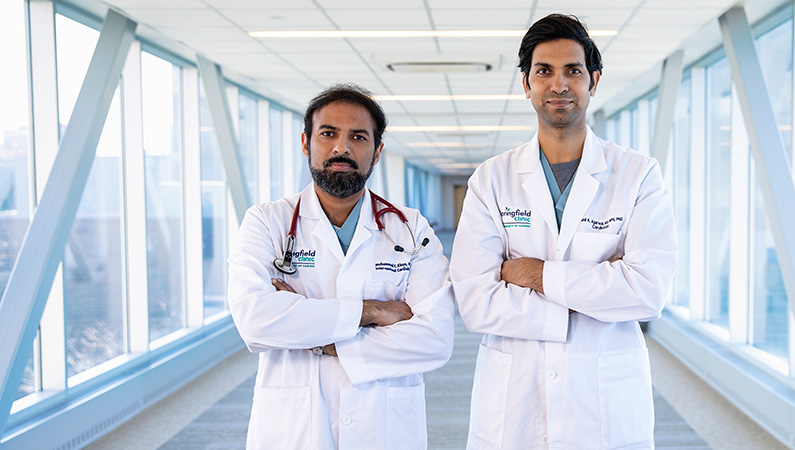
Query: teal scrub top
[559,199]
[345,232]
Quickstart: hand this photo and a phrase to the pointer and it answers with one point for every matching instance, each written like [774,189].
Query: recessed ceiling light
[443,145]
[461,128]
[458,166]
[439,67]
[439,98]
[402,33]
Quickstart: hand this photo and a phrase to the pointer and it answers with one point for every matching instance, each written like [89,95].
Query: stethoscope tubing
[285,265]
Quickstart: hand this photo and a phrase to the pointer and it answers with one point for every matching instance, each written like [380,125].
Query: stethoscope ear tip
[398,248]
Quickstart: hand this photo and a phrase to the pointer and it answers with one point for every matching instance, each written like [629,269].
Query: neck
[337,209]
[561,144]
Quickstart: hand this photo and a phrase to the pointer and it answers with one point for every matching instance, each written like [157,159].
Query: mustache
[341,159]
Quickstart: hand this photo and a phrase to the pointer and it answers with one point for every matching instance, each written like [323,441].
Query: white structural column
[666,107]
[45,143]
[191,160]
[225,132]
[23,303]
[698,193]
[769,153]
[738,227]
[135,226]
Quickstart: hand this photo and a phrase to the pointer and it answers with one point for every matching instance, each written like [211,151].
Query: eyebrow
[333,128]
[571,64]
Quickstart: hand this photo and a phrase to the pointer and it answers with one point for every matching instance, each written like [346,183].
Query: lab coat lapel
[322,231]
[536,188]
[364,226]
[583,190]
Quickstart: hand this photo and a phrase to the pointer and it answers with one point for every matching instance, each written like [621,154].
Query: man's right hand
[381,314]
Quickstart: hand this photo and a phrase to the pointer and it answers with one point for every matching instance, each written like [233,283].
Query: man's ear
[305,144]
[525,86]
[594,81]
[377,156]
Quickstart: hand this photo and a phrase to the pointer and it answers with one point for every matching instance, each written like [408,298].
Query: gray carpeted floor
[224,425]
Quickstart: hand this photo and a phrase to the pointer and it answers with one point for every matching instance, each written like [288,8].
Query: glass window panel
[770,307]
[769,298]
[92,268]
[249,139]
[718,188]
[28,384]
[214,231]
[14,137]
[634,128]
[162,124]
[681,157]
[276,152]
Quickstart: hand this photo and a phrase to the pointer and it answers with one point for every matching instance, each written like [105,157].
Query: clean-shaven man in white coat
[564,244]
[345,320]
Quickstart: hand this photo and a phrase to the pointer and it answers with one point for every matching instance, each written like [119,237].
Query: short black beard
[339,184]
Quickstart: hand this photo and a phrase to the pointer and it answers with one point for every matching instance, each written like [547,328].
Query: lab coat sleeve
[487,304]
[420,344]
[266,318]
[634,287]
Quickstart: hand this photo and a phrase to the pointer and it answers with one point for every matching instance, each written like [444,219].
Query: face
[342,152]
[559,84]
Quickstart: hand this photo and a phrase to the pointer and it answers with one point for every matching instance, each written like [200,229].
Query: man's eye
[542,71]
[326,133]
[576,71]
[359,137]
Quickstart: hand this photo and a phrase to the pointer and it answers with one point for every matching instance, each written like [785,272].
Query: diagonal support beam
[769,153]
[213,82]
[42,250]
[666,106]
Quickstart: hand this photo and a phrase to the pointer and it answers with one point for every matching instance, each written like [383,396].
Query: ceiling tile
[178,17]
[352,19]
[278,19]
[500,19]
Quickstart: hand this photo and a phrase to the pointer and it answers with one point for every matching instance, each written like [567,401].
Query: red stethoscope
[285,265]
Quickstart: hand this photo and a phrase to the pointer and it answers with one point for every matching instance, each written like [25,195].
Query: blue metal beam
[666,106]
[213,82]
[42,250]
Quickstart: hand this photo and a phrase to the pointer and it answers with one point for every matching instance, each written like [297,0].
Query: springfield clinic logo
[304,258]
[515,218]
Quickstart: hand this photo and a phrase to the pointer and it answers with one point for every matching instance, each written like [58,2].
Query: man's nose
[341,146]
[559,84]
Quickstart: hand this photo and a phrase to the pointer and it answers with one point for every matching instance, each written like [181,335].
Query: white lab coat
[372,395]
[546,378]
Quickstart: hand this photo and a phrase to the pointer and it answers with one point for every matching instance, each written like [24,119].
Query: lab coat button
[546,439]
[346,420]
[552,374]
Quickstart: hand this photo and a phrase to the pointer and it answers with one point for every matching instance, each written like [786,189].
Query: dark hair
[552,28]
[350,93]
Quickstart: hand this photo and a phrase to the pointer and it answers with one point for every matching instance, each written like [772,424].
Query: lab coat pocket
[490,395]
[405,418]
[375,289]
[280,418]
[625,399]
[594,247]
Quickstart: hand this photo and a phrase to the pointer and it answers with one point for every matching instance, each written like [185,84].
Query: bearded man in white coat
[573,242]
[346,321]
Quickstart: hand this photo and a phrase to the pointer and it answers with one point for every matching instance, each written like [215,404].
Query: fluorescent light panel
[462,128]
[439,98]
[443,144]
[402,33]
